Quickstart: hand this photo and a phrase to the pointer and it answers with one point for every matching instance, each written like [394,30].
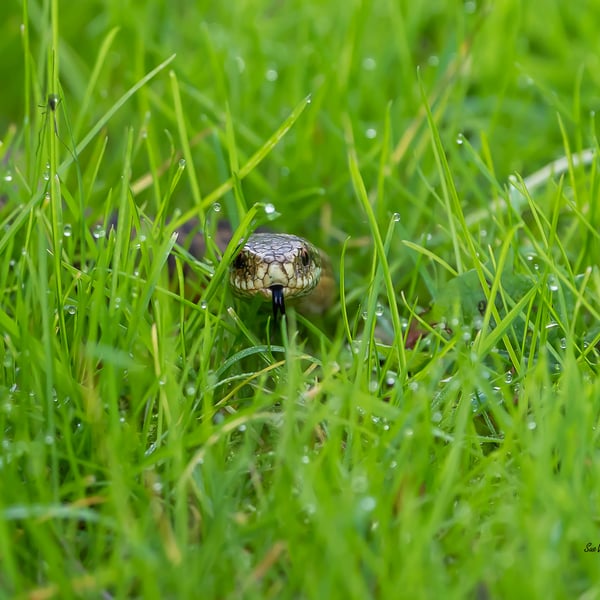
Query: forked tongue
[278,301]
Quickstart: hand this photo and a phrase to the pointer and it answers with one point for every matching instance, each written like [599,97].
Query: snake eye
[239,262]
[305,258]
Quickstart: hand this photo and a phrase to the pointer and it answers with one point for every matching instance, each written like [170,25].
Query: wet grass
[435,433]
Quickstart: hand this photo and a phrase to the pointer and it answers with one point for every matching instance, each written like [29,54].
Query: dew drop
[563,343]
[182,163]
[271,75]
[190,390]
[373,386]
[242,428]
[460,138]
[71,309]
[367,504]
[241,65]
[433,60]
[203,305]
[371,133]
[269,208]
[216,207]
[379,309]
[67,230]
[98,232]
[8,177]
[369,63]
[396,217]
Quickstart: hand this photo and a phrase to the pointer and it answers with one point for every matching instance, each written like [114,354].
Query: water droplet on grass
[369,63]
[241,65]
[269,208]
[98,232]
[367,504]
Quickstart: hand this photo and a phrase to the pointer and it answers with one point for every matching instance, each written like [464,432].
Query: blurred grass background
[154,447]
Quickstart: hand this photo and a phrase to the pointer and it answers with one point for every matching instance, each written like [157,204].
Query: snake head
[275,267]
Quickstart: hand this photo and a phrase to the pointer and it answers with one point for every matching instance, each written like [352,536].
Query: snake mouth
[278,300]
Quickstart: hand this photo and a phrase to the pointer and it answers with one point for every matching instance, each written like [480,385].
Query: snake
[280,266]
[276,267]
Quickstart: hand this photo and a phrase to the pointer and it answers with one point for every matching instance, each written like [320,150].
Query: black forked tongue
[278,301]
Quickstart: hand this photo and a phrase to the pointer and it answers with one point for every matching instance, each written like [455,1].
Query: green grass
[162,439]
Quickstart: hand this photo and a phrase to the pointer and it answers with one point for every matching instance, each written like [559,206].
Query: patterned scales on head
[277,267]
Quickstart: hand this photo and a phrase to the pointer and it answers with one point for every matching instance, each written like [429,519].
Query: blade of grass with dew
[252,163]
[92,82]
[185,145]
[242,232]
[363,199]
[234,168]
[114,108]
